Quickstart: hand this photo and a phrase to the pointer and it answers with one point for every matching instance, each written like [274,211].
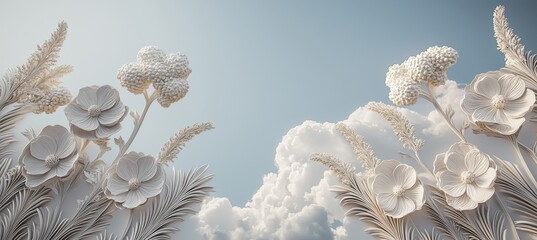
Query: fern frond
[4,167]
[173,205]
[8,120]
[176,143]
[22,209]
[48,224]
[445,225]
[10,185]
[491,227]
[360,201]
[364,151]
[521,196]
[402,127]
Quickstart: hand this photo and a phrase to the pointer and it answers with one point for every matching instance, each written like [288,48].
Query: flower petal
[134,199]
[383,184]
[113,115]
[486,179]
[35,181]
[461,203]
[66,145]
[127,169]
[451,184]
[488,114]
[478,194]
[405,176]
[416,194]
[387,201]
[104,131]
[439,164]
[116,185]
[74,111]
[455,162]
[511,86]
[487,85]
[472,102]
[147,167]
[87,96]
[403,207]
[82,134]
[386,167]
[42,146]
[34,166]
[65,165]
[476,162]
[107,96]
[154,186]
[517,108]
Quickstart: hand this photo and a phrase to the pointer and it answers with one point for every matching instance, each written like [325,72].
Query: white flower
[172,91]
[397,188]
[96,112]
[132,77]
[404,92]
[498,102]
[466,175]
[50,101]
[133,180]
[49,156]
[150,54]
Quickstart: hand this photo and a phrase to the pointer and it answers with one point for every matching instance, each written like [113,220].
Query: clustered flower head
[428,67]
[48,102]
[398,191]
[167,74]
[49,157]
[134,179]
[96,112]
[497,102]
[466,175]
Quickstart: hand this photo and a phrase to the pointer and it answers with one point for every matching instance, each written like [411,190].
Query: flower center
[94,111]
[398,191]
[52,161]
[498,101]
[134,184]
[467,177]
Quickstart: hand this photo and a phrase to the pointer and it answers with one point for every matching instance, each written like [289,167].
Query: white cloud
[295,202]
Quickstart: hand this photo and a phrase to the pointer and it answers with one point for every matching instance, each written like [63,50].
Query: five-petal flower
[398,190]
[498,102]
[134,179]
[49,156]
[96,112]
[466,175]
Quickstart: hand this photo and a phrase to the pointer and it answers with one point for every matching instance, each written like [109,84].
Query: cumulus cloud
[295,202]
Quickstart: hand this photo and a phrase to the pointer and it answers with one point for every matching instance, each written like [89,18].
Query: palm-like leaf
[8,119]
[48,225]
[521,196]
[175,202]
[12,183]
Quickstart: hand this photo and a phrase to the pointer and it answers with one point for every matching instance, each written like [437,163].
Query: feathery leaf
[364,152]
[401,125]
[176,143]
[175,202]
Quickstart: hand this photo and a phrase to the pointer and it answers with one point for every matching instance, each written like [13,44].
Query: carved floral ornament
[467,193]
[59,158]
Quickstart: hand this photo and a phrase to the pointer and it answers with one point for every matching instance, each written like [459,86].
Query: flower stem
[429,96]
[513,140]
[427,170]
[138,123]
[507,216]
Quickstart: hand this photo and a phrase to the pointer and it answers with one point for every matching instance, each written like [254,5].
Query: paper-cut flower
[96,112]
[466,175]
[498,102]
[134,179]
[49,156]
[397,188]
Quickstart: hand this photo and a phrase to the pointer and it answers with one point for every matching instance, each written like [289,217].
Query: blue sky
[259,67]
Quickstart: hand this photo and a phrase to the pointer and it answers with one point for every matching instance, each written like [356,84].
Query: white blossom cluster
[167,73]
[428,67]
[48,102]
